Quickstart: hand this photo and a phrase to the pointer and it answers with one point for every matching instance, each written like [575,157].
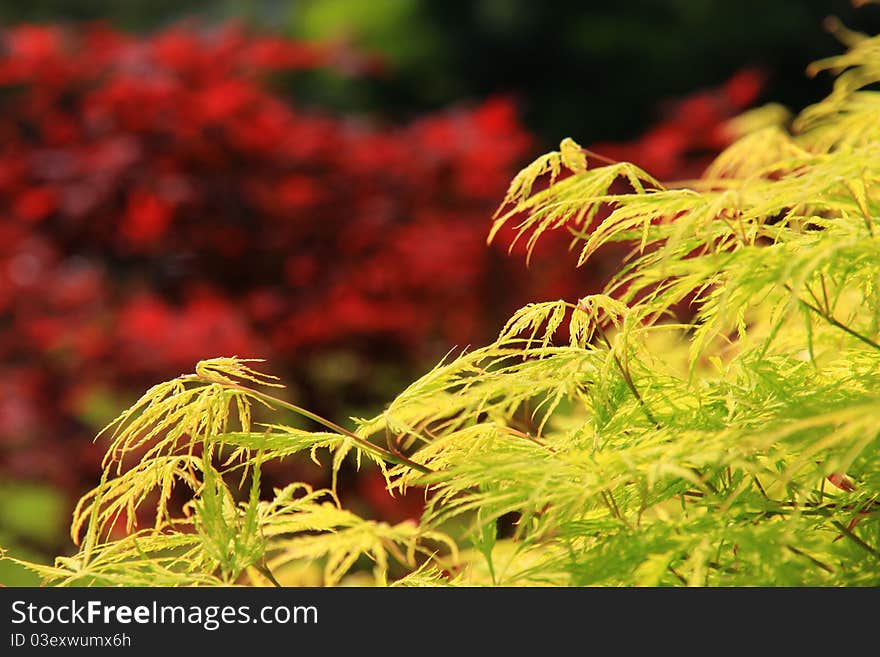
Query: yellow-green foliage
[712,419]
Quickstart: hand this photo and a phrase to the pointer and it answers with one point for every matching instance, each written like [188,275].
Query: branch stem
[846,531]
[263,569]
[366,445]
[627,377]
[831,320]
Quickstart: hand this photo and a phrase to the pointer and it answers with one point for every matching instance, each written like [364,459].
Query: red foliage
[161,202]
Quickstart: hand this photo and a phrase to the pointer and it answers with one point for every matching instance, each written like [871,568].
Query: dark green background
[590,70]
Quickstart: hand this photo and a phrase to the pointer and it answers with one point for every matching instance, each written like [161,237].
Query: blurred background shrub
[311,182]
[589,70]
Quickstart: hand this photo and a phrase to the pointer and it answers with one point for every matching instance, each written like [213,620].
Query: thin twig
[846,531]
[528,436]
[265,572]
[627,377]
[760,487]
[596,156]
[816,300]
[831,320]
[862,208]
[801,553]
[825,294]
[708,484]
[611,503]
[366,445]
[680,578]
